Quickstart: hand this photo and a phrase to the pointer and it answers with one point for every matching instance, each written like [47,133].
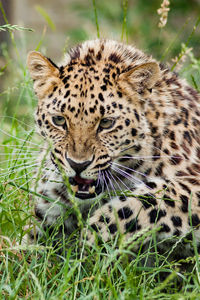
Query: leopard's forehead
[86,94]
[88,86]
[100,52]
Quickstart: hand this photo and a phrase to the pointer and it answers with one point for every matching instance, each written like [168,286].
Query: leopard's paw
[100,228]
[31,234]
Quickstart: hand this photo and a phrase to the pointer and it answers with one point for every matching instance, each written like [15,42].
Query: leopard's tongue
[84,188]
[82,180]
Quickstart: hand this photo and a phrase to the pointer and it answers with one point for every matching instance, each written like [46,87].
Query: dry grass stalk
[163,12]
[181,58]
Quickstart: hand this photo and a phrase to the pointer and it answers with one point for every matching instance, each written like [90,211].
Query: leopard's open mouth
[85,188]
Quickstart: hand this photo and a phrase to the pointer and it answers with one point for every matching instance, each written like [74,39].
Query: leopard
[123,133]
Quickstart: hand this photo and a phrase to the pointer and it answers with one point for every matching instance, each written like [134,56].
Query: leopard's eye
[58,120]
[106,123]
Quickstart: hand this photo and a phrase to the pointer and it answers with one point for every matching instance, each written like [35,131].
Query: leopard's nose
[77,166]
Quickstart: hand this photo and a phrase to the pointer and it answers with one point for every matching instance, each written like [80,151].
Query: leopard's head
[91,109]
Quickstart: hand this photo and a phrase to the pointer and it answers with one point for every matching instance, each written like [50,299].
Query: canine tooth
[92,189]
[74,188]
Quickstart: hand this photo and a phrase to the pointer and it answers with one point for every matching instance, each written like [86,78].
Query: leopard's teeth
[92,189]
[74,188]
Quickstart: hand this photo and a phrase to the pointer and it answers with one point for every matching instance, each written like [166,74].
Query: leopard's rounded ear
[40,66]
[143,76]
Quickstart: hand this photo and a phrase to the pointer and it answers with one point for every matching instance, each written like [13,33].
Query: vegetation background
[37,272]
[57,29]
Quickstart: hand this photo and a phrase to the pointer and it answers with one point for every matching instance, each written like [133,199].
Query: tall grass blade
[187,43]
[124,24]
[46,16]
[96,18]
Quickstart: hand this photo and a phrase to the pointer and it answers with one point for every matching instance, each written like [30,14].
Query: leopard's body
[116,120]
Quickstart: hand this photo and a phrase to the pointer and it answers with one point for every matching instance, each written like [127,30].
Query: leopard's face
[93,121]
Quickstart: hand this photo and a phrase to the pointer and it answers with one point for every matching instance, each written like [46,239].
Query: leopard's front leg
[159,207]
[49,221]
[124,215]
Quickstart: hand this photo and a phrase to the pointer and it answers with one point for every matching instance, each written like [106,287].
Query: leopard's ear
[142,77]
[40,66]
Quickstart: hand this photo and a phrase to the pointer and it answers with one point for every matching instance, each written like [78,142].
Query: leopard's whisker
[23,164]
[20,153]
[23,176]
[110,181]
[128,188]
[18,168]
[18,121]
[135,180]
[15,160]
[50,173]
[125,149]
[16,189]
[130,177]
[9,174]
[19,139]
[112,175]
[127,168]
[18,146]
[98,178]
[113,168]
[171,156]
[145,158]
[104,179]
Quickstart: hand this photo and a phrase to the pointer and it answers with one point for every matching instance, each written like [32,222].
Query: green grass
[105,271]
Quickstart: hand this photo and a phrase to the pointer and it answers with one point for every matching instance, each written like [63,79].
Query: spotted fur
[128,123]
